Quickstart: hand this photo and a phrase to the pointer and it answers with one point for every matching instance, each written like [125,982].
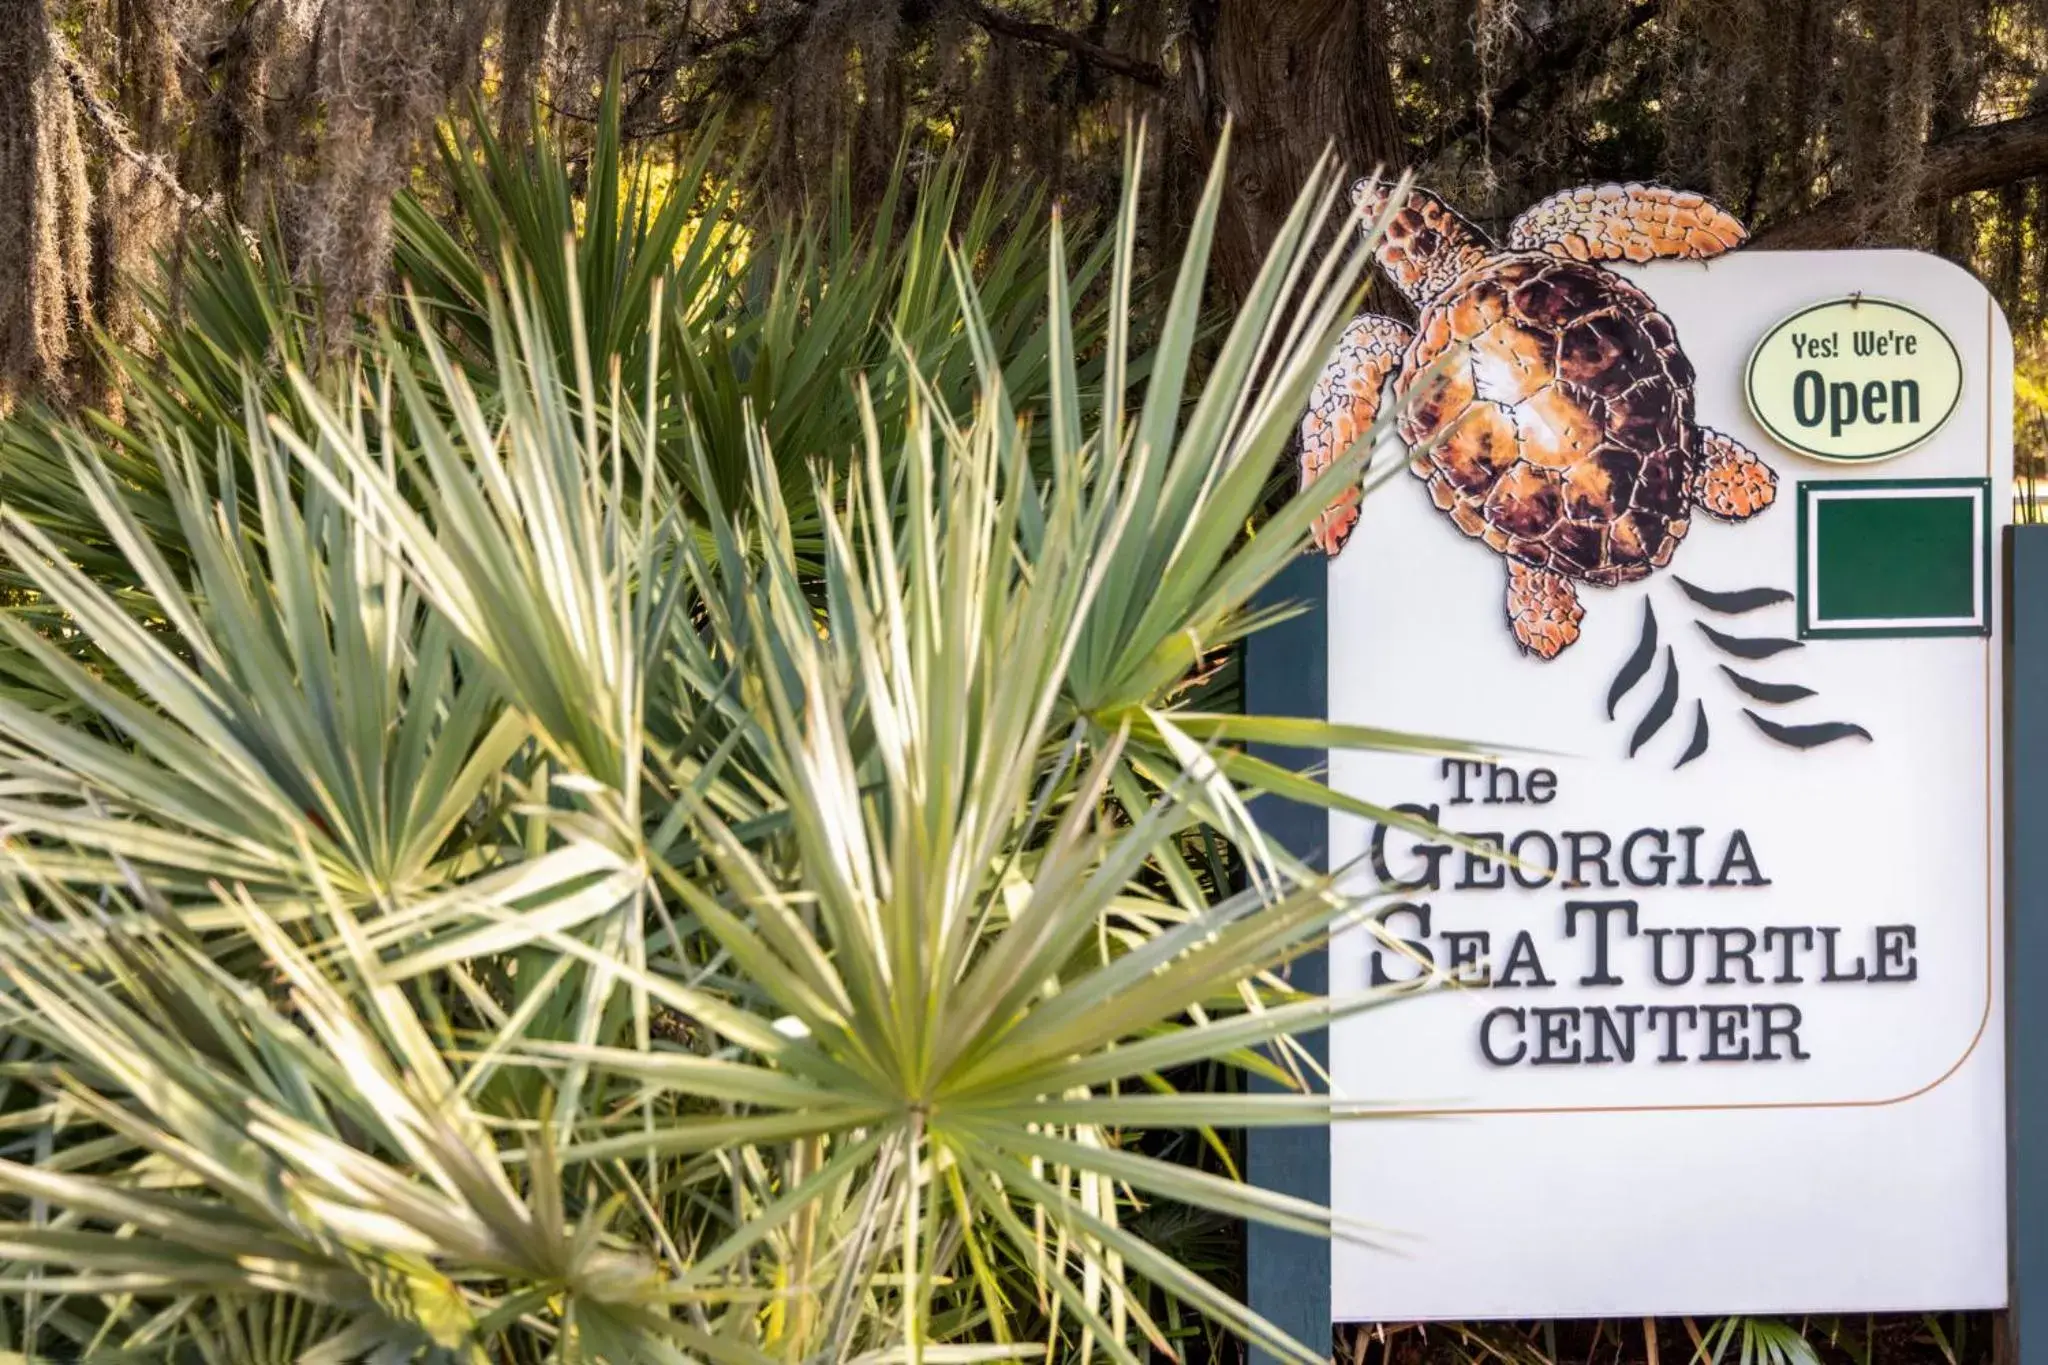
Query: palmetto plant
[759,328]
[482,881]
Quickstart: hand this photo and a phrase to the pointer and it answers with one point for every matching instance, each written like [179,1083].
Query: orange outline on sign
[1990,958]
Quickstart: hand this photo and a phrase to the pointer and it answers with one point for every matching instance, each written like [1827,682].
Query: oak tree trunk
[1292,77]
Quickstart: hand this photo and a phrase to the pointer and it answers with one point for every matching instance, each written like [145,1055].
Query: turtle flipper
[1730,483]
[1424,245]
[1543,609]
[1627,223]
[1341,409]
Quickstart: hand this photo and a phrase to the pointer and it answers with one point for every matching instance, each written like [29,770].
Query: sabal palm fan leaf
[826,301]
[1180,575]
[533,535]
[299,699]
[312,1143]
[618,944]
[766,321]
[764,324]
[1756,1341]
[227,316]
[630,234]
[920,943]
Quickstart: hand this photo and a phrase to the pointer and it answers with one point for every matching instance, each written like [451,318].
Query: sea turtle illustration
[1544,398]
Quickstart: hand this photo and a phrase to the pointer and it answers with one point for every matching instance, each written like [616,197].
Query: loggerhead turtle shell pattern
[1565,439]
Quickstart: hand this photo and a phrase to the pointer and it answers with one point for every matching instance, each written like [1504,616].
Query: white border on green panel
[1814,626]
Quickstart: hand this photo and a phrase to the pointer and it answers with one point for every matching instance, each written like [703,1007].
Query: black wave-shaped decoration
[1733,603]
[1746,646]
[1638,663]
[1807,736]
[1777,694]
[1660,709]
[1698,745]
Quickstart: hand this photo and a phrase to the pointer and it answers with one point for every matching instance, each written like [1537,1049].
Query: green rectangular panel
[1898,557]
[1894,557]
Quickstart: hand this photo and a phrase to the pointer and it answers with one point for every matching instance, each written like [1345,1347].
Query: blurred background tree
[1906,122]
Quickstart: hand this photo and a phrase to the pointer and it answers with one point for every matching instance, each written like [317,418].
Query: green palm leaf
[646,813]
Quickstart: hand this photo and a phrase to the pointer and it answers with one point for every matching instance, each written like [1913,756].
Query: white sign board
[1729,1038]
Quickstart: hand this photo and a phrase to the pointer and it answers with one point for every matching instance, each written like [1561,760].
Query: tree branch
[1051,35]
[1981,158]
[735,60]
[1547,69]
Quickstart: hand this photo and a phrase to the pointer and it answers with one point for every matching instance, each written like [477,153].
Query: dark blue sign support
[2026,945]
[1286,673]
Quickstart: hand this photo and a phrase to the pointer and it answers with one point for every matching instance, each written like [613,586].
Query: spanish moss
[1898,122]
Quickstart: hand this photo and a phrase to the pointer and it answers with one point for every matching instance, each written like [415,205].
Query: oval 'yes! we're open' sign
[1854,380]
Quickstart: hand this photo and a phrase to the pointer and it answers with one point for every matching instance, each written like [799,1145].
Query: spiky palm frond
[503,893]
[763,324]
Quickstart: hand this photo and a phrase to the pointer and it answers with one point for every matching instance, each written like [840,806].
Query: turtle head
[1423,243]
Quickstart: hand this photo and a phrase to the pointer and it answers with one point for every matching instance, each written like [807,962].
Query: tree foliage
[1893,121]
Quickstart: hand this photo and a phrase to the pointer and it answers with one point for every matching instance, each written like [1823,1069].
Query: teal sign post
[2026,960]
[1288,1273]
